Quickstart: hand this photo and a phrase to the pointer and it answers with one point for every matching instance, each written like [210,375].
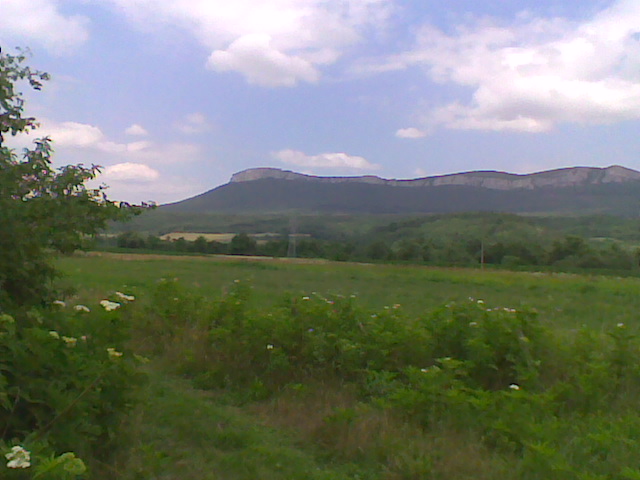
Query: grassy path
[179,432]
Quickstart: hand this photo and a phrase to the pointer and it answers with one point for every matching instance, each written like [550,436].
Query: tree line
[567,252]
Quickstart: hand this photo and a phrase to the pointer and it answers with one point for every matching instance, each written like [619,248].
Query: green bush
[65,377]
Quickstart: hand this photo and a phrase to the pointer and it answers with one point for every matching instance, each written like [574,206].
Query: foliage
[40,208]
[497,240]
[503,375]
[65,376]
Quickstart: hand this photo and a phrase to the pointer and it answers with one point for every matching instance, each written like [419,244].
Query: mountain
[578,190]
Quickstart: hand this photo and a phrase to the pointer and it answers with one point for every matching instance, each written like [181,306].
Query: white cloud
[271,43]
[410,132]
[129,172]
[85,136]
[194,123]
[535,74]
[71,134]
[324,160]
[136,129]
[253,56]
[40,21]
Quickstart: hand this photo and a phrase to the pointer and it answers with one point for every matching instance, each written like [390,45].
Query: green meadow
[564,300]
[285,369]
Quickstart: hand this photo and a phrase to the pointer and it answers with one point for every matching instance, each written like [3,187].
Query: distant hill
[579,190]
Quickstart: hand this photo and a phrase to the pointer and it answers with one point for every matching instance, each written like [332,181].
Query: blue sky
[172,97]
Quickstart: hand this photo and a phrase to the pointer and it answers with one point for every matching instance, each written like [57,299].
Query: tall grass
[436,386]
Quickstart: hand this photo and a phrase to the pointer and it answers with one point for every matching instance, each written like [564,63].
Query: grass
[325,427]
[566,300]
[181,432]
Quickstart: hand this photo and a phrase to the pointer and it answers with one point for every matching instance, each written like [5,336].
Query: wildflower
[70,341]
[269,347]
[480,302]
[311,330]
[81,308]
[18,457]
[109,306]
[620,325]
[473,324]
[514,386]
[424,370]
[305,298]
[113,353]
[54,334]
[396,306]
[125,297]
[59,303]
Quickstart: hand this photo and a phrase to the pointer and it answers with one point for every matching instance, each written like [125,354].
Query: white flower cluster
[113,353]
[18,457]
[109,305]
[125,297]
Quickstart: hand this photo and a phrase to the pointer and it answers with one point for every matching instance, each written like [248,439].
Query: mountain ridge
[613,190]
[492,179]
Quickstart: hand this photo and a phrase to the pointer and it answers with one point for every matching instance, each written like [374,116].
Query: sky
[171,97]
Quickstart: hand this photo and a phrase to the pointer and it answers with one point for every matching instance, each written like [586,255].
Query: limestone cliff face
[564,177]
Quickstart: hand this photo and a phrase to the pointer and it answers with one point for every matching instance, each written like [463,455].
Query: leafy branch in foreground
[42,209]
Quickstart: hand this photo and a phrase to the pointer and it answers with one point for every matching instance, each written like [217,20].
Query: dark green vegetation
[507,240]
[269,195]
[374,372]
[63,384]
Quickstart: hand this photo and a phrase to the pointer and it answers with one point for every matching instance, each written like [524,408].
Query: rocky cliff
[563,177]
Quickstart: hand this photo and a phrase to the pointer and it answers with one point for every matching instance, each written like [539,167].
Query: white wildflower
[18,457]
[620,325]
[113,353]
[305,298]
[81,308]
[480,302]
[59,303]
[473,324]
[125,297]
[70,341]
[108,305]
[514,386]
[54,334]
[269,347]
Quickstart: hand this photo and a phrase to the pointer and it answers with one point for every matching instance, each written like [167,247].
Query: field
[564,300]
[287,369]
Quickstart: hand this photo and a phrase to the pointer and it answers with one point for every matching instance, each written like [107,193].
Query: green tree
[42,209]
[243,244]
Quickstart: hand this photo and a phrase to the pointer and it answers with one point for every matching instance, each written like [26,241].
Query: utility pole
[291,251]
